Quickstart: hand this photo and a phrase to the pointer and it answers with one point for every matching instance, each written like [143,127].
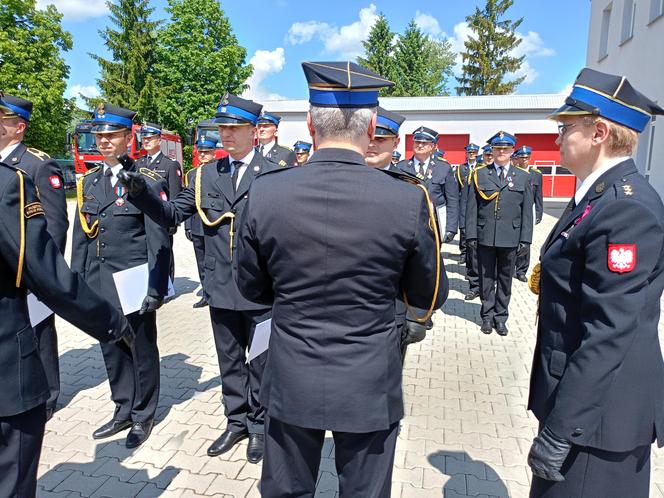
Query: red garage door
[453,145]
[556,181]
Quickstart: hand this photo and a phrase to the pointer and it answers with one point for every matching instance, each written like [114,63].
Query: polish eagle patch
[622,257]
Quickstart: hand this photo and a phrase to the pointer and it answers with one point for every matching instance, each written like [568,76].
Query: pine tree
[32,67]
[487,60]
[127,74]
[199,60]
[379,51]
[410,61]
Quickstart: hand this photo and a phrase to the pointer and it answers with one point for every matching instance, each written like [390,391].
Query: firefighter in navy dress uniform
[499,223]
[302,151]
[334,361]
[521,159]
[379,155]
[462,175]
[31,259]
[169,169]
[437,175]
[193,226]
[111,234]
[266,130]
[47,176]
[597,380]
[219,195]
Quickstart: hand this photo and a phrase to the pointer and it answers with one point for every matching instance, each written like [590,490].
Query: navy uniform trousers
[363,461]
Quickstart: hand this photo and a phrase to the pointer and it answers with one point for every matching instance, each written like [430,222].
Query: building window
[604,35]
[629,13]
[656,9]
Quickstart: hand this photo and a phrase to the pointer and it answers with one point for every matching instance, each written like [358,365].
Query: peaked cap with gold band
[342,84]
[609,96]
[233,111]
[108,118]
[15,106]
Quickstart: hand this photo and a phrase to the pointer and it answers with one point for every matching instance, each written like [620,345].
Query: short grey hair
[345,123]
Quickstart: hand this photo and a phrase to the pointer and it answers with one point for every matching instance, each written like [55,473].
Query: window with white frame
[604,34]
[629,13]
[656,9]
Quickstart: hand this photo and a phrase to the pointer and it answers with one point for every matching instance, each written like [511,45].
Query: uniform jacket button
[103,215]
[103,260]
[577,432]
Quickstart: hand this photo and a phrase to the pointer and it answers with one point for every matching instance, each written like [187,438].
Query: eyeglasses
[562,128]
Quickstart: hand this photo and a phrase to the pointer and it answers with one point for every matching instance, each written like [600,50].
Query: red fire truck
[86,155]
[211,131]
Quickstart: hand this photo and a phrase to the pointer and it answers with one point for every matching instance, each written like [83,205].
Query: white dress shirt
[7,151]
[245,162]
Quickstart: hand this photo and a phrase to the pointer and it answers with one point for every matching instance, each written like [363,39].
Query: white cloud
[265,63]
[532,46]
[344,42]
[76,91]
[77,10]
[427,23]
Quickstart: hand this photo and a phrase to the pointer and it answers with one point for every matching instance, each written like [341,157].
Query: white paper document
[37,310]
[132,287]
[261,340]
[441,211]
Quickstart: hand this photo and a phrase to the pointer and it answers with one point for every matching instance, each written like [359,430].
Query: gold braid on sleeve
[21,222]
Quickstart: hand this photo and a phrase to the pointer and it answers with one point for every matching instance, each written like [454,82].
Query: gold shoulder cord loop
[21,222]
[90,231]
[434,227]
[206,221]
[483,195]
[458,173]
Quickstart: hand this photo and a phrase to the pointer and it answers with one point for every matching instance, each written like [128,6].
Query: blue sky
[279,34]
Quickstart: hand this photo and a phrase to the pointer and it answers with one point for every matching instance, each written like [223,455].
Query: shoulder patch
[92,170]
[38,153]
[33,209]
[152,175]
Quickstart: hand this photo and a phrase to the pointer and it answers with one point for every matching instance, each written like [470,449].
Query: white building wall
[446,115]
[640,58]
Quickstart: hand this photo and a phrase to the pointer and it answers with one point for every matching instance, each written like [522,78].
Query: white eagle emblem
[622,257]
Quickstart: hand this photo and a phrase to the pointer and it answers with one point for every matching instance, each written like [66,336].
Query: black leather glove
[187,233]
[523,249]
[150,304]
[413,332]
[134,182]
[538,221]
[472,243]
[547,455]
[449,237]
[125,333]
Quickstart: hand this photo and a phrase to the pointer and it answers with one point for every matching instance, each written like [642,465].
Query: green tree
[379,51]
[199,59]
[488,58]
[422,65]
[32,67]
[127,77]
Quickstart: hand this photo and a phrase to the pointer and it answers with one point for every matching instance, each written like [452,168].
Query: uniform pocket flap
[516,222]
[557,363]
[481,222]
[90,207]
[209,262]
[212,203]
[27,342]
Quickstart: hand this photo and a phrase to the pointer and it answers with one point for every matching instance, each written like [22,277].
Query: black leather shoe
[523,278]
[225,442]
[139,433]
[200,304]
[501,329]
[471,295]
[255,448]
[486,327]
[111,428]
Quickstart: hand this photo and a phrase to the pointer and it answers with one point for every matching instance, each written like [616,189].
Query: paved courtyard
[466,432]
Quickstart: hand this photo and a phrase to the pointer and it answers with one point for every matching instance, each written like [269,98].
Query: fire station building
[459,121]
